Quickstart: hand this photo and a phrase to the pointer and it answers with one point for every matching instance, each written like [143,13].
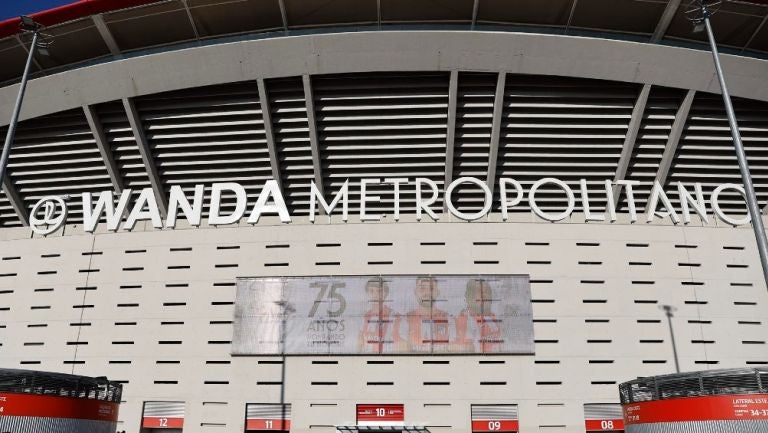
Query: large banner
[383,315]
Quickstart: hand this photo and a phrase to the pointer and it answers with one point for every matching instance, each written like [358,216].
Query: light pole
[27,25]
[286,308]
[700,17]
[668,310]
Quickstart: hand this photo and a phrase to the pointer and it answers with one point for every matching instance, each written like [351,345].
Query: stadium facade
[395,147]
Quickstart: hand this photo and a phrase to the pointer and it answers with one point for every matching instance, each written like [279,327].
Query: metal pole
[282,367]
[749,189]
[668,310]
[16,110]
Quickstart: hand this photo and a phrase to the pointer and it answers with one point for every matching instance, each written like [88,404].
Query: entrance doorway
[162,417]
[267,417]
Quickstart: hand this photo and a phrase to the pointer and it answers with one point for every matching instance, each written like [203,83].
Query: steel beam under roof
[283,15]
[755,33]
[665,20]
[146,154]
[570,16]
[674,137]
[631,138]
[106,35]
[191,20]
[266,115]
[26,52]
[314,142]
[498,112]
[104,149]
[16,201]
[450,141]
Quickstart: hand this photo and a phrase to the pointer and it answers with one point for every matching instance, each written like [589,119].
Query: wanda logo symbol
[48,214]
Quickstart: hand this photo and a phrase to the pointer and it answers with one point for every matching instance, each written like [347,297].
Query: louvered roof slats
[210,149]
[654,132]
[291,130]
[8,217]
[121,141]
[199,104]
[209,134]
[381,126]
[57,154]
[201,163]
[384,125]
[563,128]
[474,118]
[198,117]
[706,154]
[214,134]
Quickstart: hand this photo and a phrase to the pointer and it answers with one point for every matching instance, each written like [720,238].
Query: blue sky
[14,8]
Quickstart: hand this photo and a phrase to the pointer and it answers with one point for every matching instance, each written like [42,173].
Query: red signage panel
[494,425]
[380,413]
[267,424]
[48,406]
[712,408]
[604,424]
[162,422]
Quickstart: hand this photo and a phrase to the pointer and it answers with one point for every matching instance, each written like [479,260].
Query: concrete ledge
[521,53]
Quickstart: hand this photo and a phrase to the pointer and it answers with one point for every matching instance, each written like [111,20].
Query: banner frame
[526,277]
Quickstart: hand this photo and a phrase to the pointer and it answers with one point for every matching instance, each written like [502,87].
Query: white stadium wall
[154,309]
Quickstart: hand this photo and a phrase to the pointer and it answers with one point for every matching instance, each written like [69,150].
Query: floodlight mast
[28,25]
[669,310]
[703,12]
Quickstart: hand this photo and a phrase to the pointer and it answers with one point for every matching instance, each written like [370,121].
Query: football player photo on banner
[383,314]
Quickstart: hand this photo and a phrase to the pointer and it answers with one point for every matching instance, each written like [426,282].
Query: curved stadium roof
[88,30]
[405,121]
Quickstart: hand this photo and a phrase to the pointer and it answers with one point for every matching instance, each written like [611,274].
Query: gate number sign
[604,424]
[380,413]
[494,425]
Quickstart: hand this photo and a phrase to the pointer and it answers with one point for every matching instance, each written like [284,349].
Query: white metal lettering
[545,215]
[588,215]
[504,183]
[424,205]
[364,198]
[177,200]
[341,196]
[487,199]
[715,199]
[214,213]
[49,213]
[270,190]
